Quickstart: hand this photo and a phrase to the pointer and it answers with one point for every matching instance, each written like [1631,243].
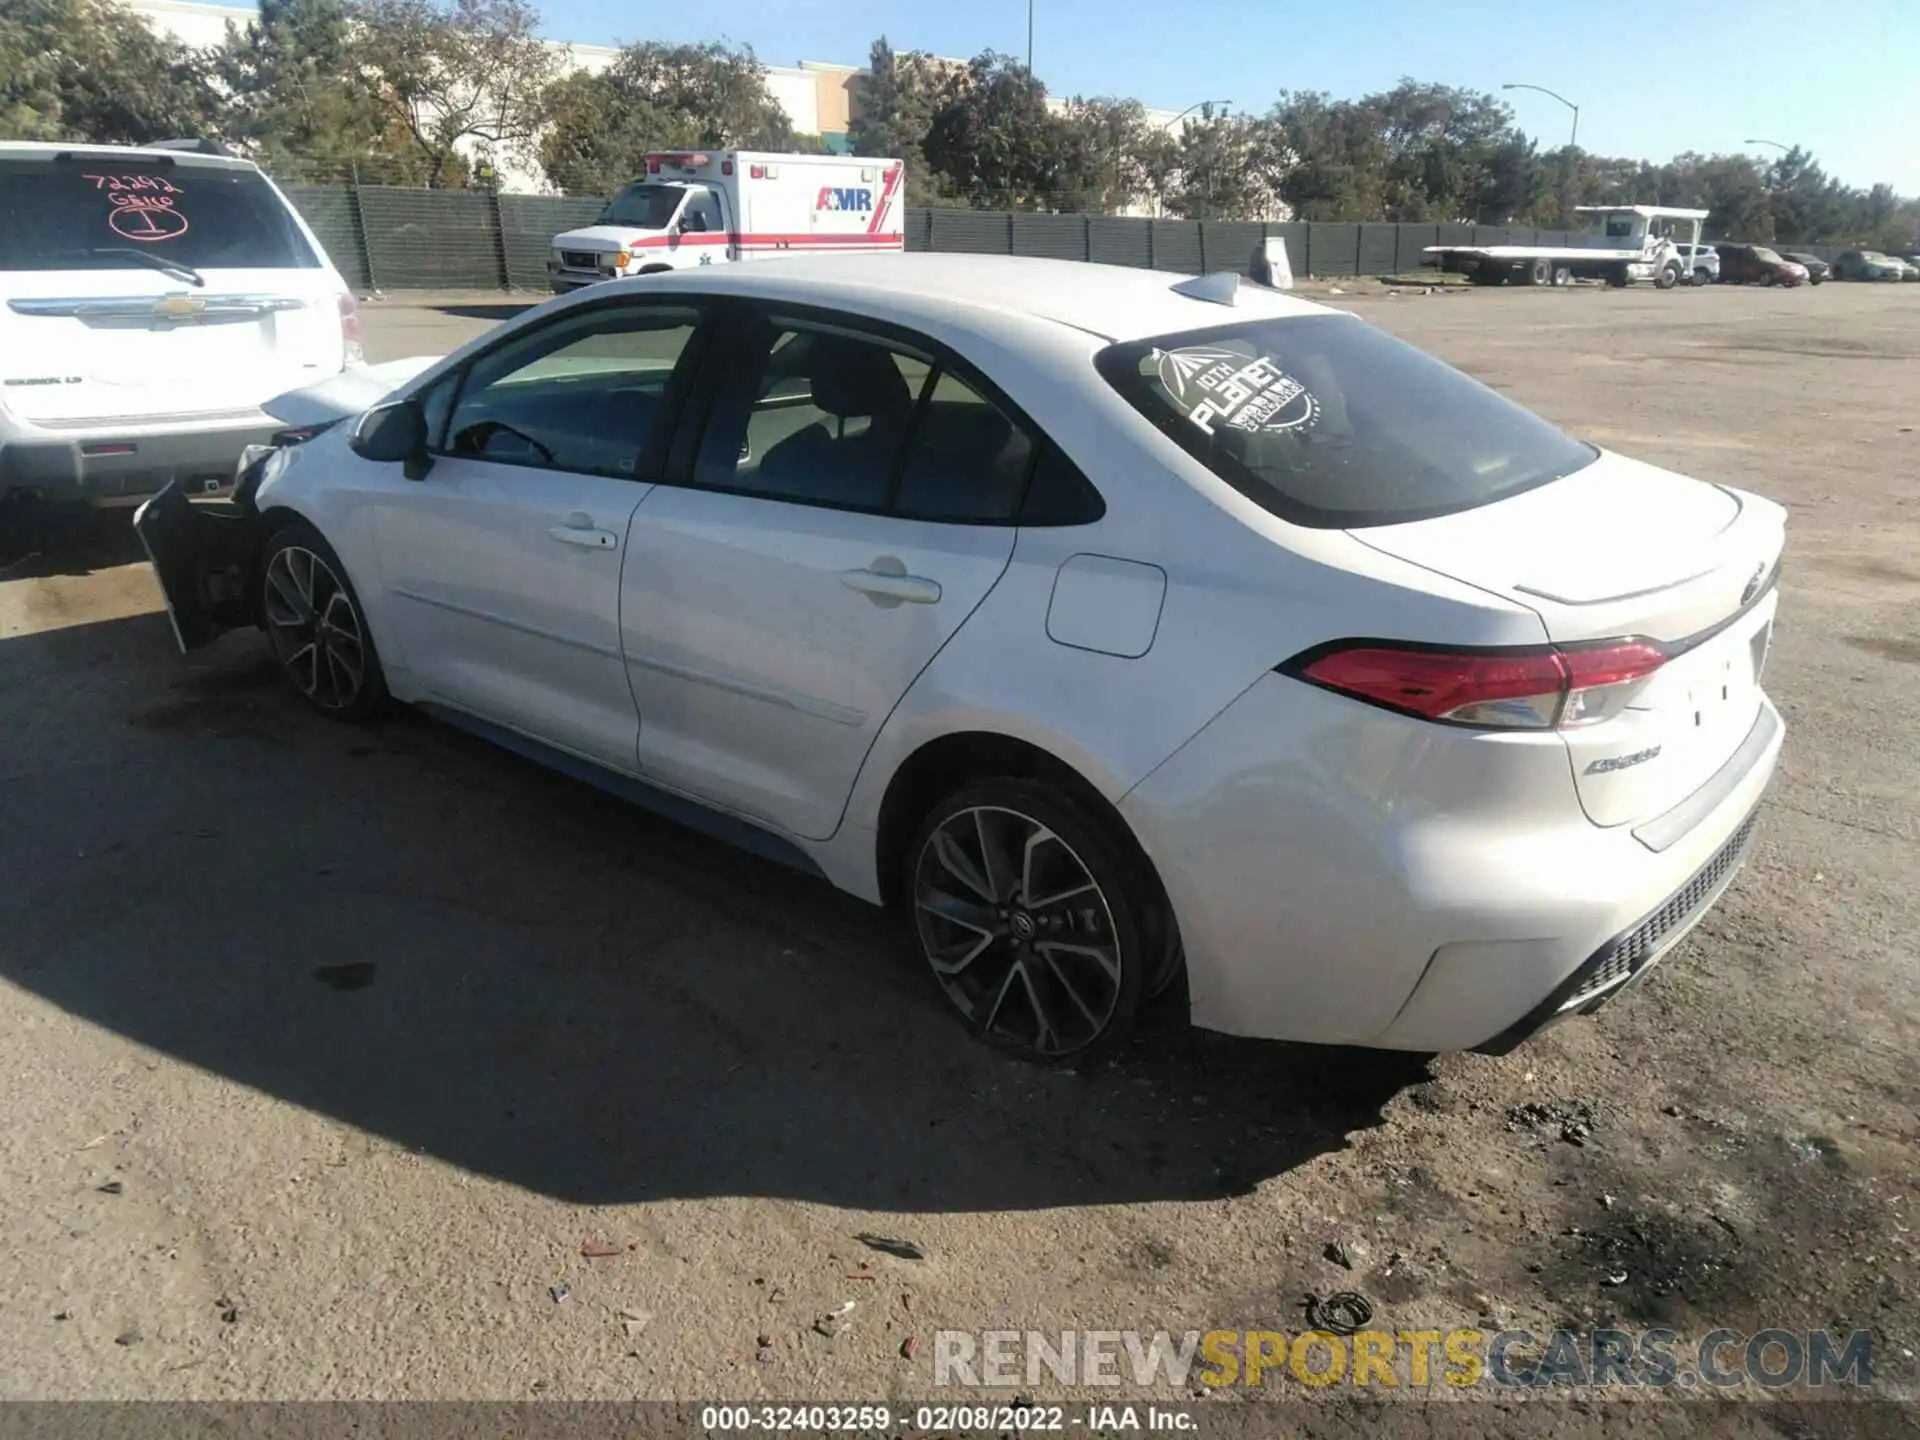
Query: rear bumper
[1343,875]
[105,469]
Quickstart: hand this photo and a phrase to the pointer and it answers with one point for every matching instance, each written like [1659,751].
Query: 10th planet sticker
[1219,386]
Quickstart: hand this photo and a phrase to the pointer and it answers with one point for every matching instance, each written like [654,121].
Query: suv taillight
[1523,689]
[352,335]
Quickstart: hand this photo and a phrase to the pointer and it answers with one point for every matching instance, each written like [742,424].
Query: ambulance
[715,207]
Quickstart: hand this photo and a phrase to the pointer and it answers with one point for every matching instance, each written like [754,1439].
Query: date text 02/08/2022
[867,1420]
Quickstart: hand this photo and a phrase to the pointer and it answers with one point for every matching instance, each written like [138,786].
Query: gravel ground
[331,1050]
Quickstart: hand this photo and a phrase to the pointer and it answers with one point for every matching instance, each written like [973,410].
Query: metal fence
[383,237]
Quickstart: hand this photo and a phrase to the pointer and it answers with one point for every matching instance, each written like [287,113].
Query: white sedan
[1129,633]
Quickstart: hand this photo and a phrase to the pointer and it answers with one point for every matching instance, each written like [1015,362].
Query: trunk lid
[87,347]
[1623,549]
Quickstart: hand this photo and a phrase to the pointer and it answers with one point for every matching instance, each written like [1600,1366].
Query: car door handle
[580,530]
[887,582]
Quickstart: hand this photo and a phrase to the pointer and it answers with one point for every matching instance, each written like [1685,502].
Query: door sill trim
[722,825]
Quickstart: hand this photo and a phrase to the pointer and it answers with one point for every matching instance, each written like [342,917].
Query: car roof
[48,149]
[1114,302]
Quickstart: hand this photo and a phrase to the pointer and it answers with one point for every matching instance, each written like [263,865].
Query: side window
[585,393]
[1058,493]
[702,215]
[812,415]
[968,462]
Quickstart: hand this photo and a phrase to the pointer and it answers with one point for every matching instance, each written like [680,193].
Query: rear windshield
[1326,421]
[644,206]
[105,212]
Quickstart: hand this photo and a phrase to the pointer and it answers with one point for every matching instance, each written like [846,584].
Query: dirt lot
[328,1049]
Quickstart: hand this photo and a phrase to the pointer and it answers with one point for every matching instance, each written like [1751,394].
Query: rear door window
[1328,422]
[105,212]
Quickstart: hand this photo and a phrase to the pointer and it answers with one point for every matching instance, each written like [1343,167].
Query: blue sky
[1841,77]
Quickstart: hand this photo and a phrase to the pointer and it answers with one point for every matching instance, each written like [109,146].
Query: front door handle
[580,530]
[887,584]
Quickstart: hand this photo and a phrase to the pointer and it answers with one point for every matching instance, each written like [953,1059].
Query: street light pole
[1783,149]
[1029,37]
[1573,140]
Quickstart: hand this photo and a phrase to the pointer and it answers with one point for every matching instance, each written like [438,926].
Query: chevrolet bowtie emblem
[174,307]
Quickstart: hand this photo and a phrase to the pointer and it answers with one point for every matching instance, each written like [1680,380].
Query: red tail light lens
[1492,689]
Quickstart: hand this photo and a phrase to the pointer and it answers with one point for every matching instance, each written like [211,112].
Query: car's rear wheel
[1037,929]
[1563,274]
[316,627]
[1702,276]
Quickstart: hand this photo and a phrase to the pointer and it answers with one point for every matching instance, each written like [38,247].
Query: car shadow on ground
[415,933]
[40,538]
[504,310]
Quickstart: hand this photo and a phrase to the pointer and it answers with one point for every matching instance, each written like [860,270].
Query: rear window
[1328,422]
[105,212]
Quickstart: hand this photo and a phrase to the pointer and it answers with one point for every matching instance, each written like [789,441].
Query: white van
[151,300]
[709,207]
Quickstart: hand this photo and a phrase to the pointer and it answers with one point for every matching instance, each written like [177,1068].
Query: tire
[1563,275]
[1702,276]
[317,628]
[997,957]
[1619,278]
[1668,277]
[1539,272]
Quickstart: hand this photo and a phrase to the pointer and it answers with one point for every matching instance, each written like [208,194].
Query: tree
[1220,169]
[1117,155]
[93,70]
[299,102]
[896,101]
[454,73]
[1327,156]
[996,146]
[656,97]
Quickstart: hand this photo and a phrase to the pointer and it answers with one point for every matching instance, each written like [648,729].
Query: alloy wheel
[316,632]
[1017,930]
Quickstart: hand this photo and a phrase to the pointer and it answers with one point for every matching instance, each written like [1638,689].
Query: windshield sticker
[1248,395]
[142,207]
[146,219]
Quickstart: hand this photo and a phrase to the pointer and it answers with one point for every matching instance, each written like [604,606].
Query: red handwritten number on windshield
[146,219]
[152,183]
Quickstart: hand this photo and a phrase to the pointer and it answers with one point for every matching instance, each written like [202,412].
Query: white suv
[1702,262]
[151,299]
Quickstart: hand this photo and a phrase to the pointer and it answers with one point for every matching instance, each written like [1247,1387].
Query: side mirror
[394,432]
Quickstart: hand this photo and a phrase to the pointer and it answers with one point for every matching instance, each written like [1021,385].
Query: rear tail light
[1518,689]
[352,334]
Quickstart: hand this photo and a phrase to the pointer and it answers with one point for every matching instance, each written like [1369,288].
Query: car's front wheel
[1038,930]
[316,626]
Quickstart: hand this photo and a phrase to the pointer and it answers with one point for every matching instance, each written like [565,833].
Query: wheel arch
[945,763]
